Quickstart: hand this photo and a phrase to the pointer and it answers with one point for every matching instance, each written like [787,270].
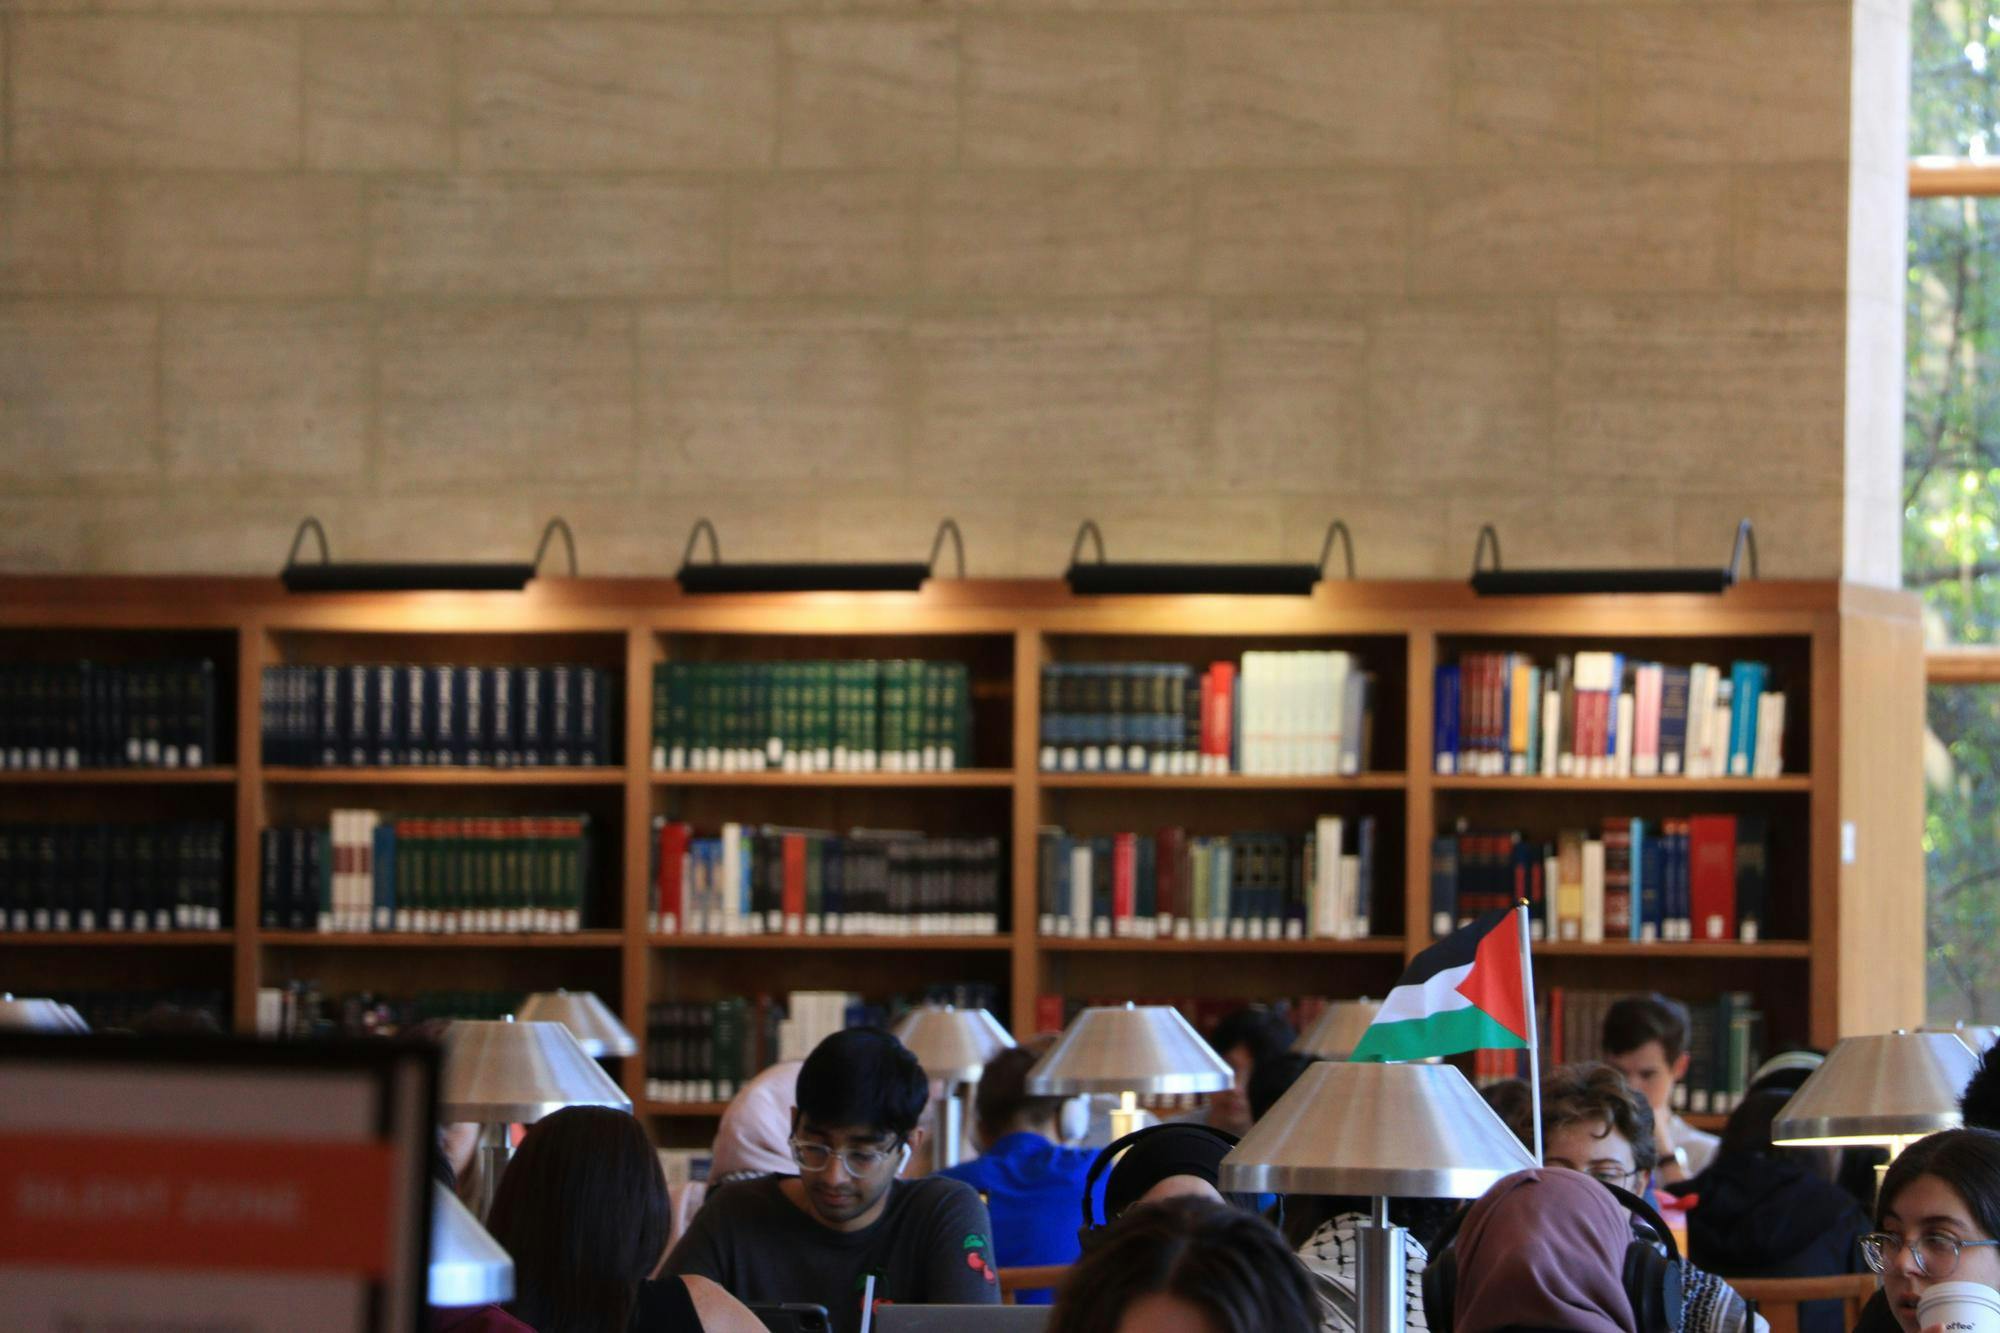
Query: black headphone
[1652,1279]
[1093,1228]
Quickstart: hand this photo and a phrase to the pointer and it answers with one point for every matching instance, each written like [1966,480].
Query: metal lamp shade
[1896,1085]
[1147,1050]
[1337,1031]
[468,1267]
[516,1073]
[1981,1037]
[1391,1131]
[588,1019]
[953,1045]
[37,1015]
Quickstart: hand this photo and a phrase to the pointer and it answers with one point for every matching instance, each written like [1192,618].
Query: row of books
[1704,877]
[300,1008]
[1239,886]
[770,880]
[1600,715]
[167,876]
[1275,713]
[123,1010]
[704,1050]
[72,715]
[1726,1042]
[366,871]
[895,716]
[404,714]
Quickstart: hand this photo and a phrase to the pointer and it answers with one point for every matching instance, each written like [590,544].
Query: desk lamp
[1130,1050]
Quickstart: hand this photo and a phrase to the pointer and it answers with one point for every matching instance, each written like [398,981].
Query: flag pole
[1534,1038]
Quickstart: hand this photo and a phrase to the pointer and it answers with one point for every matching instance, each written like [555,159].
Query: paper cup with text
[1962,1307]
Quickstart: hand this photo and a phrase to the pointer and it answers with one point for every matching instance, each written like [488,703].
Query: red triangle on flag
[1494,984]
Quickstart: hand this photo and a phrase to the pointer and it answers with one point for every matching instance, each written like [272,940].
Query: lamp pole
[1381,1279]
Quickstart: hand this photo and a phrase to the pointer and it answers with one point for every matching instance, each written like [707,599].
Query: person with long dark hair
[583,1212]
[1937,1219]
[1188,1265]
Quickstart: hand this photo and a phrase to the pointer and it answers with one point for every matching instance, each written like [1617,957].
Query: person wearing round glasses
[846,1231]
[1937,1219]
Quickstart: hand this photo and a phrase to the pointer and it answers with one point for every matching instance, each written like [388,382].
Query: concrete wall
[826,271]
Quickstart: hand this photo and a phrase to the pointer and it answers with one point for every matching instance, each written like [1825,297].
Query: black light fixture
[1498,582]
[1104,578]
[327,576]
[805,575]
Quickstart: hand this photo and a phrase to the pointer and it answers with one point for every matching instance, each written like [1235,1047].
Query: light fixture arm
[702,525]
[1337,528]
[1488,536]
[310,524]
[557,525]
[948,528]
[1746,537]
[1089,529]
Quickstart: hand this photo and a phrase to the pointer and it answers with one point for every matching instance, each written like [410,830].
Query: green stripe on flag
[1446,1033]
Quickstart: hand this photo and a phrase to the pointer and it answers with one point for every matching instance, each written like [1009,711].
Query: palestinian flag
[1464,993]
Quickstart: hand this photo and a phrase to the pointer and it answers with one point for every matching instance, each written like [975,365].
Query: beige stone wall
[826,271]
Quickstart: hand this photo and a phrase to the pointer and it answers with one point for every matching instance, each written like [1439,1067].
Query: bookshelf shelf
[1231,782]
[1696,786]
[1702,1120]
[970,777]
[1730,950]
[118,777]
[312,939]
[1389,945]
[445,777]
[116,939]
[685,1110]
[844,943]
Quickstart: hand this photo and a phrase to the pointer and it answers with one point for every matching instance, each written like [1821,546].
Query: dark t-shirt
[931,1246]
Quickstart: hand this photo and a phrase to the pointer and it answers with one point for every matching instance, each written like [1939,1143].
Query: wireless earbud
[904,1160]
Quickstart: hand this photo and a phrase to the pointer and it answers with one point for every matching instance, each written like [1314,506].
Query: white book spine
[1627,714]
[1593,892]
[1079,891]
[1770,736]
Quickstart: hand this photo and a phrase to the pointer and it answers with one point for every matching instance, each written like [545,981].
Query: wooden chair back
[1041,1277]
[1778,1298]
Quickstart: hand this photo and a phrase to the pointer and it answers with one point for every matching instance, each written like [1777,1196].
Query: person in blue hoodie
[1031,1182]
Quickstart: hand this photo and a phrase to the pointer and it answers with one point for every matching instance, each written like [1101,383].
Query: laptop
[961,1318]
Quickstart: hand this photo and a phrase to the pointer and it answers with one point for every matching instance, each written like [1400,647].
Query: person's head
[1748,1134]
[1938,1202]
[1169,1161]
[1511,1099]
[583,1211]
[860,1095]
[1543,1249]
[754,1138]
[1646,1040]
[1594,1123]
[1243,1038]
[1187,1266]
[1979,1107]
[1273,1078]
[1002,1105]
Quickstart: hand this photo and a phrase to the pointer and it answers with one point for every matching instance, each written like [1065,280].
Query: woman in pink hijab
[1544,1250]
[755,1137]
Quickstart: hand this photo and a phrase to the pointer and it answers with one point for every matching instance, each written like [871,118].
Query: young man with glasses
[846,1225]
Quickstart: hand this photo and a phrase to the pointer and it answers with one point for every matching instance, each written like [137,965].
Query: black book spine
[414,708]
[385,697]
[445,716]
[473,715]
[531,698]
[562,714]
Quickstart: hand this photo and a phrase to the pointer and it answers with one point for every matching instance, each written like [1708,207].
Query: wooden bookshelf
[1850,960]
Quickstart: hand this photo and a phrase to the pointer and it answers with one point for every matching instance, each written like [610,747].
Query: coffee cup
[1962,1307]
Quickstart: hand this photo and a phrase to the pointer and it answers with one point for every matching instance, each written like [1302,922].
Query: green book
[894,719]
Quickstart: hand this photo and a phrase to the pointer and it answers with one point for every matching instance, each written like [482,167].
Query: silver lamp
[1130,1050]
[39,1015]
[504,1073]
[1337,1030]
[1889,1089]
[953,1045]
[1386,1130]
[468,1267]
[1981,1037]
[588,1019]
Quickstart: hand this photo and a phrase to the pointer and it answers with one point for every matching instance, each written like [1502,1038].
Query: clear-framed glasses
[858,1161]
[1936,1254]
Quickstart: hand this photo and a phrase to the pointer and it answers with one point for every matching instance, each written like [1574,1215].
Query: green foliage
[1951,491]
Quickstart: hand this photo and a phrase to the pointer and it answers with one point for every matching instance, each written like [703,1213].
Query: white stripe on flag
[1438,994]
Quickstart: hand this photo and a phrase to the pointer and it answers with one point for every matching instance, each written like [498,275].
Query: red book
[1222,734]
[1048,1013]
[1169,859]
[795,883]
[1124,881]
[1208,732]
[669,892]
[1712,876]
[1617,879]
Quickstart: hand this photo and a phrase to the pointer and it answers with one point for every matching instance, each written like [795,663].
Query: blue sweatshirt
[1034,1195]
